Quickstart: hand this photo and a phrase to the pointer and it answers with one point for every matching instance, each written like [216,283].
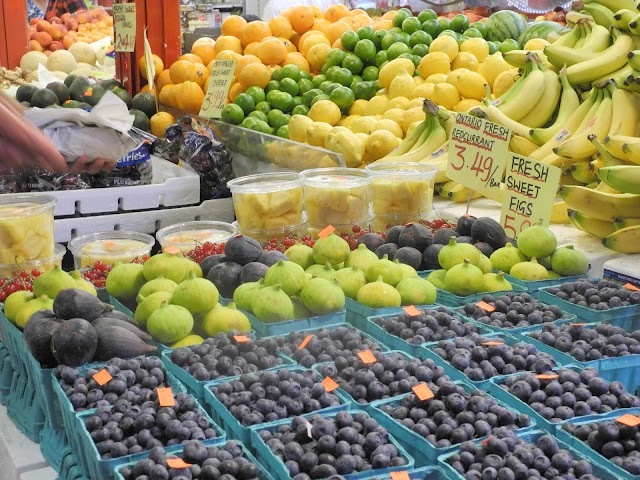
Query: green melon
[539,30]
[505,24]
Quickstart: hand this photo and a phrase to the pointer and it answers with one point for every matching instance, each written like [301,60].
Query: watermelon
[505,24]
[539,30]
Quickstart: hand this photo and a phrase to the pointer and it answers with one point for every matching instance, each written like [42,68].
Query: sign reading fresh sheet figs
[530,192]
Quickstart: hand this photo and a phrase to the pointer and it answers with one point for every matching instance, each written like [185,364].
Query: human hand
[82,164]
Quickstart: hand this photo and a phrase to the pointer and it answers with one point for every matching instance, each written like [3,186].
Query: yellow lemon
[476,46]
[418,80]
[416,102]
[348,121]
[394,114]
[364,125]
[424,91]
[325,111]
[316,133]
[399,102]
[536,44]
[445,44]
[471,85]
[380,143]
[466,105]
[445,95]
[298,127]
[465,60]
[412,115]
[434,62]
[505,81]
[392,69]
[391,126]
[377,106]
[492,66]
[437,78]
[358,107]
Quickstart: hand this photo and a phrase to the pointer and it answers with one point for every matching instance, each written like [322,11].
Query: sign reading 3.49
[218,86]
[124,26]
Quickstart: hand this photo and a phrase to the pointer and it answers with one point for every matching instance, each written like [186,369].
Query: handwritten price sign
[124,21]
[218,88]
[477,154]
[531,189]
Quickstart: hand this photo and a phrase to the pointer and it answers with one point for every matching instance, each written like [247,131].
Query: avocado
[84,106]
[71,104]
[25,104]
[25,92]
[78,86]
[145,102]
[123,95]
[61,91]
[93,94]
[111,84]
[69,80]
[140,121]
[44,98]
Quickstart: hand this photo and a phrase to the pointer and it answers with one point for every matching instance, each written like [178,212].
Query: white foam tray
[172,186]
[144,222]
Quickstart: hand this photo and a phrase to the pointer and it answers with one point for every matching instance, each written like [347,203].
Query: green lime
[318,98]
[421,50]
[444,24]
[324,68]
[318,79]
[283,132]
[249,123]
[310,95]
[419,37]
[366,50]
[377,38]
[380,58]
[395,30]
[389,39]
[493,48]
[263,107]
[300,110]
[481,27]
[290,71]
[404,37]
[472,33]
[332,72]
[352,62]
[257,93]
[335,56]
[459,23]
[290,86]
[509,44]
[282,101]
[271,95]
[277,118]
[330,88]
[356,79]
[349,40]
[277,75]
[232,114]
[304,85]
[462,39]
[344,77]
[272,85]
[416,60]
[365,33]
[324,85]
[364,90]
[411,24]
[370,73]
[245,102]
[432,27]
[381,66]
[305,75]
[450,33]
[262,127]
[400,17]
[343,97]
[297,100]
[411,57]
[427,14]
[396,50]
[498,45]
[259,115]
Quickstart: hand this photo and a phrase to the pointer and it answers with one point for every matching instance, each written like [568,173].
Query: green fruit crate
[235,429]
[529,437]
[53,444]
[534,286]
[423,452]
[6,373]
[590,454]
[274,464]
[24,409]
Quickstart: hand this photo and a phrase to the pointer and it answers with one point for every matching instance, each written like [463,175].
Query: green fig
[385,268]
[464,279]
[379,294]
[322,271]
[529,271]
[351,280]
[125,280]
[51,282]
[289,275]
[567,262]
[455,253]
[503,259]
[224,319]
[361,257]
[272,305]
[198,295]
[537,241]
[300,254]
[436,278]
[416,291]
[331,249]
[158,284]
[495,282]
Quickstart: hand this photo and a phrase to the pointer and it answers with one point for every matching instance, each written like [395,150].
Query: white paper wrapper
[101,133]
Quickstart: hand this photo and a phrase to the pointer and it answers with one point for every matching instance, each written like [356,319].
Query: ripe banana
[567,179]
[582,173]
[444,189]
[597,228]
[597,41]
[584,30]
[621,223]
[600,205]
[568,39]
[634,25]
[600,14]
[632,151]
[408,142]
[559,214]
[626,240]
[439,160]
[521,145]
[461,194]
[606,157]
[623,17]
[634,59]
[527,95]
[625,113]
[518,59]
[614,5]
[603,187]
[542,112]
[614,145]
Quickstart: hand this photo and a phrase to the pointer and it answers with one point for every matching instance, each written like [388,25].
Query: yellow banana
[603,187]
[597,228]
[623,17]
[461,194]
[408,142]
[527,95]
[614,145]
[445,188]
[559,214]
[625,178]
[521,145]
[600,205]
[621,223]
[567,179]
[582,173]
[439,160]
[614,5]
[606,157]
[634,25]
[597,41]
[569,39]
[600,14]
[542,112]
[625,113]
[632,151]
[626,240]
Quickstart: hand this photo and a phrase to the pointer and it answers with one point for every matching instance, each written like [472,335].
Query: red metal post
[13,32]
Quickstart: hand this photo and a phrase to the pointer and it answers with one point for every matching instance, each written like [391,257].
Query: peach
[55,20]
[44,39]
[34,46]
[71,24]
[58,31]
[34,21]
[57,45]
[33,36]
[65,16]
[43,26]
[68,40]
[84,18]
[47,52]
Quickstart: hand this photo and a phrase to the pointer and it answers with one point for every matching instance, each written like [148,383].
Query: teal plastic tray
[6,373]
[586,451]
[423,452]
[275,465]
[533,287]
[529,437]
[234,429]
[53,443]
[24,409]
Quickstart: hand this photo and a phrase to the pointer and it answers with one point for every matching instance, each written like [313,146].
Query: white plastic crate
[146,221]
[172,186]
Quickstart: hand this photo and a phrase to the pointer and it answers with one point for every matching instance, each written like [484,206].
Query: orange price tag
[329,384]
[165,397]
[423,392]
[577,324]
[629,286]
[367,357]
[485,441]
[491,344]
[629,420]
[241,338]
[412,311]
[403,475]
[172,250]
[326,232]
[305,342]
[102,377]
[177,463]
[485,306]
[547,376]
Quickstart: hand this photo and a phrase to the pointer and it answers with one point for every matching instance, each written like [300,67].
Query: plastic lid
[77,244]
[201,229]
[402,171]
[336,177]
[25,205]
[266,182]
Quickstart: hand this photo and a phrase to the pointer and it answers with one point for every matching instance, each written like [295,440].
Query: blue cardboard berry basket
[234,428]
[41,378]
[14,342]
[529,437]
[70,468]
[6,373]
[456,374]
[357,313]
[24,408]
[53,442]
[423,452]
[276,465]
[533,286]
[425,473]
[590,454]
[262,473]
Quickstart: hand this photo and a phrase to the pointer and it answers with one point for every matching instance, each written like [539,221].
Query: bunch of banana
[594,40]
[457,193]
[624,178]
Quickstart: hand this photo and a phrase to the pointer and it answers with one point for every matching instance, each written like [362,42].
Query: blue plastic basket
[235,429]
[423,452]
[263,329]
[70,468]
[13,340]
[529,437]
[262,473]
[6,373]
[53,444]
[274,464]
[41,379]
[586,451]
[24,409]
[534,286]
[357,313]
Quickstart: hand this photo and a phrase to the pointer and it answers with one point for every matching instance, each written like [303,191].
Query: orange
[235,89]
[227,55]
[203,41]
[205,52]
[321,25]
[311,41]
[172,96]
[178,71]
[199,74]
[351,21]
[336,12]
[159,123]
[301,18]
[233,26]
[306,35]
[272,51]
[163,79]
[190,57]
[272,68]
[244,61]
[291,48]
[363,20]
[189,97]
[280,27]
[251,48]
[255,32]
[157,63]
[147,89]
[357,11]
[317,12]
[317,55]
[338,44]
[336,30]
[382,25]
[228,43]
[295,39]
[298,60]
[255,74]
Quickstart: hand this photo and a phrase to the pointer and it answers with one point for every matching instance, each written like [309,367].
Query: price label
[485,306]
[478,150]
[531,188]
[305,342]
[324,233]
[629,420]
[329,384]
[367,357]
[177,463]
[172,250]
[165,397]
[403,475]
[423,392]
[241,338]
[547,376]
[630,286]
[218,88]
[486,441]
[102,377]
[124,27]
[411,311]
[491,344]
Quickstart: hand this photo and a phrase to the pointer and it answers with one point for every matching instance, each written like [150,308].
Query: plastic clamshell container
[42,264]
[268,201]
[456,374]
[337,196]
[529,437]
[262,235]
[401,192]
[423,452]
[234,428]
[614,315]
[533,287]
[188,235]
[110,247]
[26,228]
[590,454]
[274,463]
